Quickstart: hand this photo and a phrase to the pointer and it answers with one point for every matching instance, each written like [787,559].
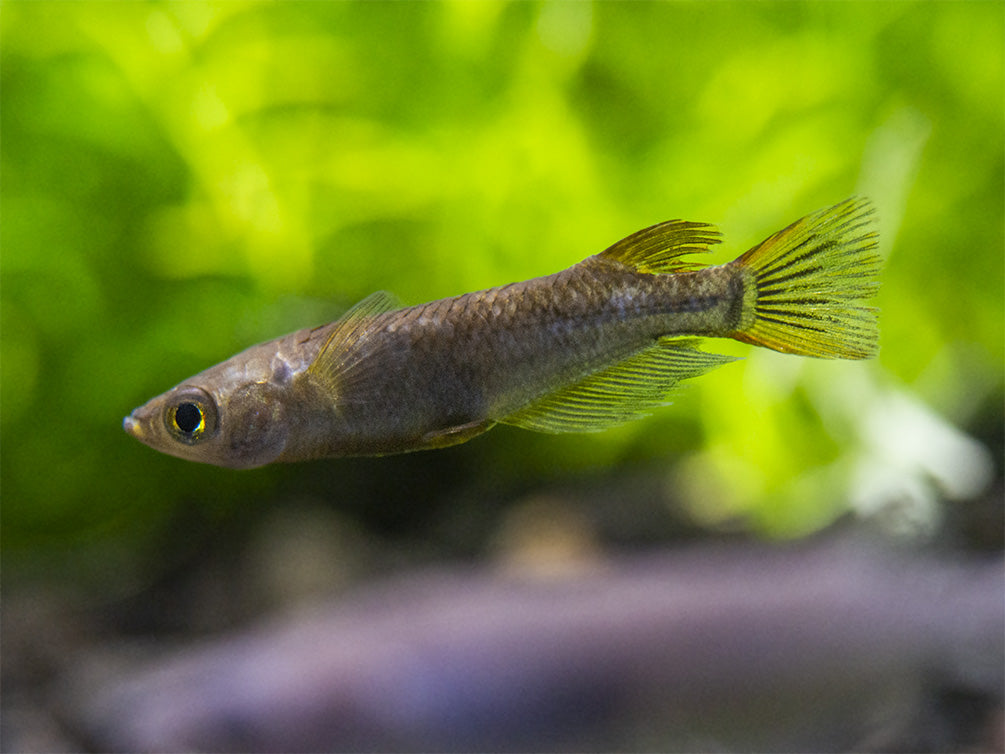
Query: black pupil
[188,417]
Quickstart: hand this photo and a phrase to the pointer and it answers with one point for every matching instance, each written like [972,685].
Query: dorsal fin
[341,354]
[627,390]
[658,248]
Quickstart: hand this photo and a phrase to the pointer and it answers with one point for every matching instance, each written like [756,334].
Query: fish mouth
[133,426]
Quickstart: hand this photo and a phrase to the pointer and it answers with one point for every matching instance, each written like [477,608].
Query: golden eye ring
[191,416]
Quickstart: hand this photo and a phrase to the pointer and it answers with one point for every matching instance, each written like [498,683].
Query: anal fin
[627,390]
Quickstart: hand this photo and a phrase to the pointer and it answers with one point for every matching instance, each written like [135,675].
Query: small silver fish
[600,343]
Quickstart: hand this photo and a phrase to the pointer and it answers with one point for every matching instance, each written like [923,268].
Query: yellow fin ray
[809,279]
[658,248]
[627,390]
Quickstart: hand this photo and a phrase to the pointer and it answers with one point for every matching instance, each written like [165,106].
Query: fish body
[599,343]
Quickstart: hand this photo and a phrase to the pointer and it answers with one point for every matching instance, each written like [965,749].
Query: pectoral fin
[346,350]
[627,390]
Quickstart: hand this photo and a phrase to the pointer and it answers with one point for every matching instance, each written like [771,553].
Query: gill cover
[254,427]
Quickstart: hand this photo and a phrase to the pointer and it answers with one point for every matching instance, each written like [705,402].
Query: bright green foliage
[183,179]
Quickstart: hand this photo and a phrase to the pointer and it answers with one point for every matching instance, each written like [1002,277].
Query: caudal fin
[806,283]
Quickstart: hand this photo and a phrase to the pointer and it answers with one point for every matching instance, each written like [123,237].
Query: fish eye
[191,416]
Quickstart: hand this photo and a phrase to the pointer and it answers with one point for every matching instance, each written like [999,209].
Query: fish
[601,343]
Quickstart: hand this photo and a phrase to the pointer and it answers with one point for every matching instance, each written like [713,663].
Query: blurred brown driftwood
[828,646]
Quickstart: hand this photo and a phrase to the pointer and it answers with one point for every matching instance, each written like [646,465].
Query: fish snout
[133,426]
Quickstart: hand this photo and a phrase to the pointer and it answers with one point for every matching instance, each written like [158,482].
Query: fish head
[231,415]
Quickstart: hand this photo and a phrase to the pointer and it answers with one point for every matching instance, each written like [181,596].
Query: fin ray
[808,283]
[338,357]
[658,248]
[620,393]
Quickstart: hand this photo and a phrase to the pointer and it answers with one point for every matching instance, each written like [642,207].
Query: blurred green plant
[182,179]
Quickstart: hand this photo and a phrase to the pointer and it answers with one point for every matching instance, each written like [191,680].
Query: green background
[181,180]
